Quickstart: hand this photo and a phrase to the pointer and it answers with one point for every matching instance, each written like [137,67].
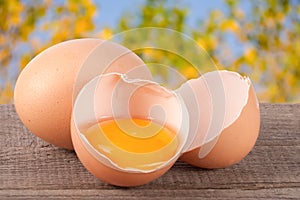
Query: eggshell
[108,174]
[115,96]
[228,139]
[44,90]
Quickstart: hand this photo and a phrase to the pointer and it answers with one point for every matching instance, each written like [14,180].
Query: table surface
[33,169]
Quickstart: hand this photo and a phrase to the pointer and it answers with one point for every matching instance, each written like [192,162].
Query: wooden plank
[32,169]
[282,193]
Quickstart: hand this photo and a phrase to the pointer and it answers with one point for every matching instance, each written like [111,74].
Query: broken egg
[224,119]
[46,88]
[128,132]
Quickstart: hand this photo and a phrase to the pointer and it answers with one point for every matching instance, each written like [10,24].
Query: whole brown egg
[44,90]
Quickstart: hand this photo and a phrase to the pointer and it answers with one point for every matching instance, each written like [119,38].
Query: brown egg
[229,144]
[114,96]
[44,90]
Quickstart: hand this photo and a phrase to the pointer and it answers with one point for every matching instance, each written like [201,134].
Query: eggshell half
[109,174]
[115,96]
[224,140]
[44,90]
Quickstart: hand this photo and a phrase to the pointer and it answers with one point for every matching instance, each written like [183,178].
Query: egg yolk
[133,143]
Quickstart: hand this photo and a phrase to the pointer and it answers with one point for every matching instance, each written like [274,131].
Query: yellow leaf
[155,54]
[105,34]
[24,61]
[81,26]
[4,53]
[15,8]
[230,25]
[2,39]
[250,55]
[207,43]
[202,43]
[189,72]
[14,20]
[280,17]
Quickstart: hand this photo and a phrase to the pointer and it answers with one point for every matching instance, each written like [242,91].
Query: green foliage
[267,34]
[22,20]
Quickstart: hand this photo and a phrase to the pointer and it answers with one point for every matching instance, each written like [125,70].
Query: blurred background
[259,38]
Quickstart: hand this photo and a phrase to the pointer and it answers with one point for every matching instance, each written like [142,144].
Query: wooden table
[33,169]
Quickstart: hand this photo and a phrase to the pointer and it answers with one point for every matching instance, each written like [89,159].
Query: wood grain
[33,169]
